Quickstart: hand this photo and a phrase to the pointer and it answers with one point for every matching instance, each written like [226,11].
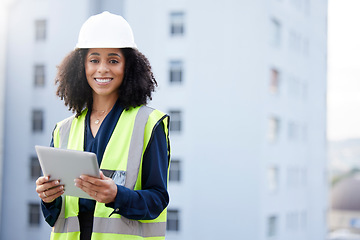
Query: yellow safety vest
[124,152]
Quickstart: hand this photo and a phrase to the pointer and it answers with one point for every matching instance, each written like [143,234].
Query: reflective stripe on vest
[136,146]
[64,131]
[116,224]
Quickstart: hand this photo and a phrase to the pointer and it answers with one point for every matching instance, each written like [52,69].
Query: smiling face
[104,68]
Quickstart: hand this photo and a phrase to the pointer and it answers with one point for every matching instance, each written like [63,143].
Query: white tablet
[66,165]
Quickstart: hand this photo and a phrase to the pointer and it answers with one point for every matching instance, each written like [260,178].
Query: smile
[103,80]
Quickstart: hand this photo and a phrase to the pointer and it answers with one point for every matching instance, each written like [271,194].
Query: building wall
[241,175]
[300,104]
[228,50]
[3,32]
[22,97]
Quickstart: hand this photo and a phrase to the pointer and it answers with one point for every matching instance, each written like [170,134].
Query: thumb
[102,176]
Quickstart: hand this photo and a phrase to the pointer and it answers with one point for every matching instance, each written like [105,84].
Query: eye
[114,61]
[94,61]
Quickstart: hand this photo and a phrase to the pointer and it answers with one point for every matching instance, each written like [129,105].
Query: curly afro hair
[135,90]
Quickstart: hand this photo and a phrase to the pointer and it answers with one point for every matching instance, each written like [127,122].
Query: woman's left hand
[102,189]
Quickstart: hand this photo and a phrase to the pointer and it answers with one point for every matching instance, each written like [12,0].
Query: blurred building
[245,85]
[3,31]
[40,34]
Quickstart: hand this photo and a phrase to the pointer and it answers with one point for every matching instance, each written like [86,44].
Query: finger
[53,191]
[51,198]
[86,186]
[103,194]
[44,197]
[42,180]
[90,179]
[45,186]
[89,191]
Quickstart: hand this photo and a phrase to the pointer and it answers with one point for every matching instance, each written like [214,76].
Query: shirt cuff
[51,210]
[121,203]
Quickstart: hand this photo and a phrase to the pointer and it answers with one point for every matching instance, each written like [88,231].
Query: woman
[107,82]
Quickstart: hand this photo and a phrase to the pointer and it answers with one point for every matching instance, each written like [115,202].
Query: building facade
[245,85]
[3,31]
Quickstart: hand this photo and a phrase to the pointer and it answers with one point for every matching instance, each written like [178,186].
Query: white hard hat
[106,30]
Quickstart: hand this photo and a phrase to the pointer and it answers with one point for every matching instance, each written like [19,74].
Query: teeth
[103,80]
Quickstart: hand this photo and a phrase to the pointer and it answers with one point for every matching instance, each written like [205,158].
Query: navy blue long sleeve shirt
[145,204]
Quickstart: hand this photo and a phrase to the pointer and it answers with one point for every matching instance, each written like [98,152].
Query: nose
[102,67]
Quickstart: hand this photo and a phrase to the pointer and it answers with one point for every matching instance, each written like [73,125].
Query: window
[37,120]
[172,220]
[39,76]
[40,30]
[293,177]
[273,129]
[176,68]
[35,169]
[175,171]
[175,121]
[272,226]
[274,80]
[293,131]
[298,43]
[273,178]
[292,221]
[275,33]
[34,214]
[177,23]
[294,87]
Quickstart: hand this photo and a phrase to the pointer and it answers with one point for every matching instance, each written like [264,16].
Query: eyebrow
[110,54]
[114,54]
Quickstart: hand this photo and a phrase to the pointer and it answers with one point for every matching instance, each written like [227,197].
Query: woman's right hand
[48,190]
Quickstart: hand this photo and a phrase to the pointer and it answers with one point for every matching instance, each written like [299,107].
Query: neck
[103,103]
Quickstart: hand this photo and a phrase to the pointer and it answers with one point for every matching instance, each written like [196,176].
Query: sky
[343,120]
